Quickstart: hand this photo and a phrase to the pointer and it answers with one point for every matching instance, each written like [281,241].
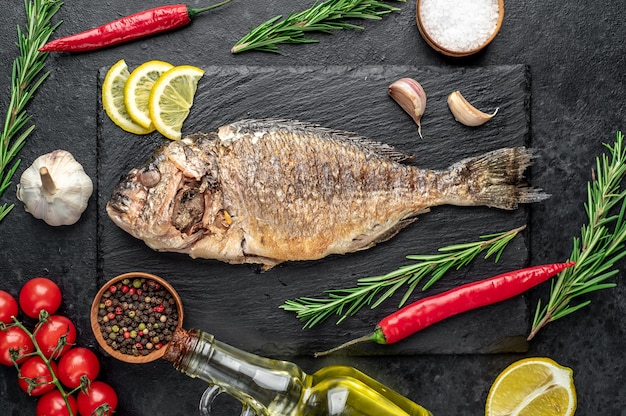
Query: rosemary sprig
[600,245]
[369,290]
[25,79]
[321,17]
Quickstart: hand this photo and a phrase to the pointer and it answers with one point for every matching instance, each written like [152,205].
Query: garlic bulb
[410,95]
[55,188]
[465,113]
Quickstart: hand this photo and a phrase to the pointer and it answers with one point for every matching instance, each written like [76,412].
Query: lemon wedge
[532,387]
[113,98]
[137,90]
[172,97]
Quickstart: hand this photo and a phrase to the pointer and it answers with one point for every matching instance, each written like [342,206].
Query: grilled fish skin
[269,191]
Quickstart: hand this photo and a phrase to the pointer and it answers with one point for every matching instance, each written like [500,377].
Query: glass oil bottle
[269,387]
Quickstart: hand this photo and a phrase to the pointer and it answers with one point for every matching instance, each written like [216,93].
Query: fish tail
[494,179]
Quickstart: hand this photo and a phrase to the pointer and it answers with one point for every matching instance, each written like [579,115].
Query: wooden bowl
[446,49]
[95,326]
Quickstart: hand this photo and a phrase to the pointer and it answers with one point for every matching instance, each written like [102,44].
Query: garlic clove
[465,113]
[410,95]
[55,188]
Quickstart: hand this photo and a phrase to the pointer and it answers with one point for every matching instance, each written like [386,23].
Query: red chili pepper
[135,26]
[428,311]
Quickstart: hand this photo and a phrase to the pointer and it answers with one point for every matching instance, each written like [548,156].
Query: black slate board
[239,305]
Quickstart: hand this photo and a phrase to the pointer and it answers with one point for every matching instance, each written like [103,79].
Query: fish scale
[293,168]
[284,190]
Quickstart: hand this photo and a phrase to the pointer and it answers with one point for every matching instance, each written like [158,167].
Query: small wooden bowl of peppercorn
[134,315]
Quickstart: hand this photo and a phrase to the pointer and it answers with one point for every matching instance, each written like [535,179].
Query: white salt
[459,25]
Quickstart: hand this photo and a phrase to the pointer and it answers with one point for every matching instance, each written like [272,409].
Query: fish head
[168,202]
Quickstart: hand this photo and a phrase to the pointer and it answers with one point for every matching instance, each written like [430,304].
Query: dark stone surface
[576,52]
[352,99]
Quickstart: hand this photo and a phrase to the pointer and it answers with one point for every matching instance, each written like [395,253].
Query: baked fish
[269,191]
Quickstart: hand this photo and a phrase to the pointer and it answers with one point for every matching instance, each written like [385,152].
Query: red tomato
[8,307]
[14,338]
[76,363]
[39,293]
[50,331]
[99,393]
[36,370]
[52,404]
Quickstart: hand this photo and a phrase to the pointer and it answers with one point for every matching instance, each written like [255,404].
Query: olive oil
[341,390]
[279,388]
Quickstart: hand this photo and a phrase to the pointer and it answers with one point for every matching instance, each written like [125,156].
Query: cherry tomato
[50,331]
[8,307]
[52,404]
[37,294]
[76,363]
[99,393]
[14,338]
[36,370]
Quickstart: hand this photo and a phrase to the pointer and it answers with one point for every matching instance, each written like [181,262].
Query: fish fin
[390,233]
[263,263]
[494,179]
[370,239]
[382,149]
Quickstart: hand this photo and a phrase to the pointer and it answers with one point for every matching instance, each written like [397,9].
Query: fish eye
[150,176]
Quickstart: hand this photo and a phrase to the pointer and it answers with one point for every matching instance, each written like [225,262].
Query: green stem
[40,354]
[194,12]
[375,336]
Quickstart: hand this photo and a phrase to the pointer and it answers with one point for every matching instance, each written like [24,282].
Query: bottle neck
[257,381]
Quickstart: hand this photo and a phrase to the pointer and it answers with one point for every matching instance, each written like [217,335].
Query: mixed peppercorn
[137,316]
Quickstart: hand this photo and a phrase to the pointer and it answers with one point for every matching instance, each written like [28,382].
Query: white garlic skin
[465,113]
[64,205]
[410,95]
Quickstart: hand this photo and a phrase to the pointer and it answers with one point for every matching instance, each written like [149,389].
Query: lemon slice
[113,98]
[137,90]
[532,387]
[172,97]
